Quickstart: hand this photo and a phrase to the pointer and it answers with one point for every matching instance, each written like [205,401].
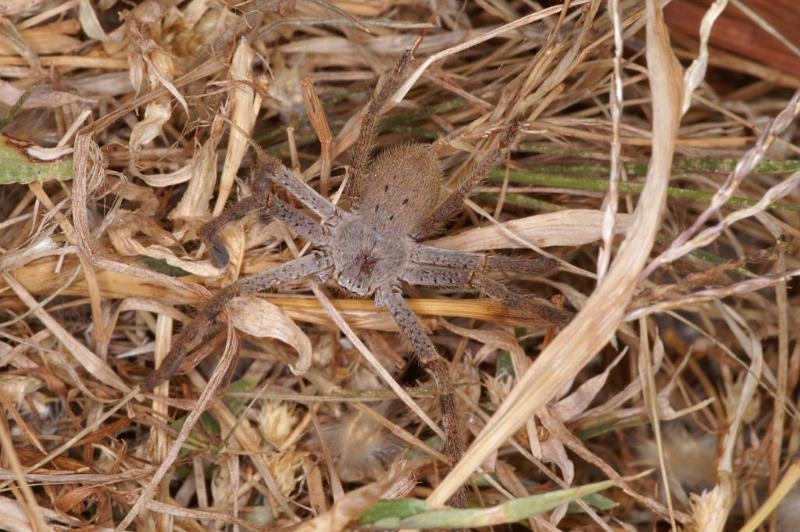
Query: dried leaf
[696,72]
[244,110]
[578,401]
[155,116]
[202,176]
[11,40]
[260,318]
[13,516]
[121,235]
[89,23]
[563,228]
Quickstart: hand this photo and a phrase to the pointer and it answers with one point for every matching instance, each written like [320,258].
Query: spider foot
[215,245]
[539,310]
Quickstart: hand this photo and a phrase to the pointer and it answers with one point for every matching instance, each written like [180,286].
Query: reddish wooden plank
[735,32]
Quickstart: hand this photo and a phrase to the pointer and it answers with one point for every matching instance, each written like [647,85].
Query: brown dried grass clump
[661,174]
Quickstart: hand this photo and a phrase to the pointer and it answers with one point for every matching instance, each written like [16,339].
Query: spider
[396,199]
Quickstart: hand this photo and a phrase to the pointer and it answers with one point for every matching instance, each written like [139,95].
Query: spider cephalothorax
[364,258]
[372,248]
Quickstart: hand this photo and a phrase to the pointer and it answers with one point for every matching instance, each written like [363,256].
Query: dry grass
[662,175]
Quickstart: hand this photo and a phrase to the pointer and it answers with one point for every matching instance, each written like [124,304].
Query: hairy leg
[454,202]
[209,233]
[274,171]
[540,310]
[270,207]
[362,149]
[412,329]
[422,254]
[205,323]
[301,224]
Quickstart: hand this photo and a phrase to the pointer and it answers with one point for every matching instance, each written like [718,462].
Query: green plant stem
[413,513]
[601,185]
[639,168]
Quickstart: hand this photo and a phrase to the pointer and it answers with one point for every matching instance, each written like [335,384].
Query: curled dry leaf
[122,238]
[260,318]
[577,402]
[89,22]
[244,110]
[181,175]
[155,116]
[203,175]
[554,452]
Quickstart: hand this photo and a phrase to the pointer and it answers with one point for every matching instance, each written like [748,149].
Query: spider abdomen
[405,183]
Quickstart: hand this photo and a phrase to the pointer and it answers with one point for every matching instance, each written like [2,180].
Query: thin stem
[601,185]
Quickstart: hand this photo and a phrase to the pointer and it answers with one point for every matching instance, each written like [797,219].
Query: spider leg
[301,224]
[205,323]
[412,329]
[454,202]
[209,233]
[271,170]
[369,130]
[270,206]
[422,254]
[539,310]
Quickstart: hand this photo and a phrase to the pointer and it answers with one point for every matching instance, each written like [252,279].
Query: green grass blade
[18,167]
[412,513]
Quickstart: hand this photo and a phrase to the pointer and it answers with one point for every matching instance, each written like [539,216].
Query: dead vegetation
[660,174]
